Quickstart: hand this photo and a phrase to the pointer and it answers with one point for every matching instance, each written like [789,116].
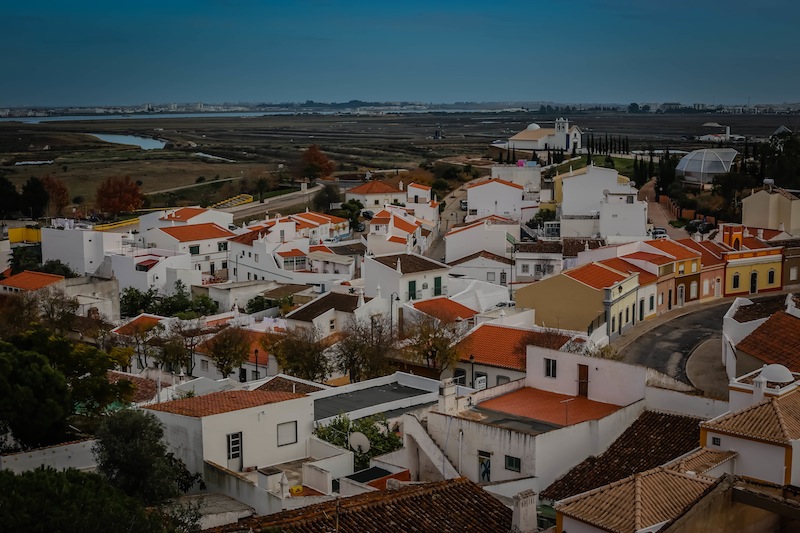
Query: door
[583,380]
[669,300]
[412,290]
[437,286]
[212,268]
[484,466]
[680,295]
[717,288]
[641,310]
[235,451]
[754,283]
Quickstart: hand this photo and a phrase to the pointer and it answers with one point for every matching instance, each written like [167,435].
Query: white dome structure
[533,126]
[700,167]
[776,374]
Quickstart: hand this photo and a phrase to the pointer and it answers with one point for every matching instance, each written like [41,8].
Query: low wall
[685,404]
[238,487]
[348,487]
[338,465]
[72,455]
[317,478]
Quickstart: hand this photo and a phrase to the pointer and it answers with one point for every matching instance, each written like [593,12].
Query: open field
[355,142]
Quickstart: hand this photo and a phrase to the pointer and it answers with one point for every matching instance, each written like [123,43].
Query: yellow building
[751,266]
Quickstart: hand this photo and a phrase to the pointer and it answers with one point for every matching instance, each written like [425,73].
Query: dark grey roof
[409,263]
[346,303]
[515,422]
[359,399]
[355,248]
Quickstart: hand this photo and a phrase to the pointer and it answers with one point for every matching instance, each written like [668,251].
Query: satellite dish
[358,441]
[606,192]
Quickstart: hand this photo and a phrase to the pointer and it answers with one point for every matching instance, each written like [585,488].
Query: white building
[82,249]
[150,268]
[206,243]
[184,216]
[501,198]
[494,234]
[375,194]
[393,230]
[485,266]
[407,276]
[560,137]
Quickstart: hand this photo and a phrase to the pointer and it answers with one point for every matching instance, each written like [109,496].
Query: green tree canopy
[365,349]
[229,349]
[301,353]
[34,198]
[382,439]
[327,195]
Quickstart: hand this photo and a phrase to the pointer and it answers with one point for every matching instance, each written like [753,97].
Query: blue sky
[106,53]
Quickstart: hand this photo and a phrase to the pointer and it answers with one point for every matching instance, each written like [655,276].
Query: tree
[365,349]
[57,195]
[56,266]
[542,216]
[25,258]
[229,349]
[351,210]
[433,341]
[34,198]
[9,197]
[327,195]
[301,353]
[34,397]
[314,164]
[192,332]
[69,495]
[132,456]
[262,186]
[118,194]
[57,309]
[381,438]
[633,108]
[133,302]
[17,313]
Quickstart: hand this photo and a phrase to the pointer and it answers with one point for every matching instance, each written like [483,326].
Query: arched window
[735,281]
[771,277]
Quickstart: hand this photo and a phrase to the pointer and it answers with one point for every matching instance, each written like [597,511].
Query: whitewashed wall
[757,460]
[73,455]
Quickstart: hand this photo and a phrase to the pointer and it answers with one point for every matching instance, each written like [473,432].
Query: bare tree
[366,348]
[192,332]
[433,342]
[57,309]
[302,353]
[17,313]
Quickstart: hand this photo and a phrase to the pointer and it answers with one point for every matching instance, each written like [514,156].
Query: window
[627,315]
[249,275]
[377,202]
[613,323]
[460,376]
[204,365]
[490,276]
[694,266]
[716,441]
[526,269]
[283,235]
[549,368]
[735,281]
[705,287]
[222,246]
[502,380]
[194,249]
[681,268]
[256,258]
[287,433]
[793,273]
[255,374]
[661,299]
[652,301]
[502,278]
[771,277]
[224,264]
[234,445]
[513,463]
[235,273]
[333,324]
[629,200]
[693,290]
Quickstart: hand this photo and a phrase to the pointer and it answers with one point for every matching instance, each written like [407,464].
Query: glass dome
[701,166]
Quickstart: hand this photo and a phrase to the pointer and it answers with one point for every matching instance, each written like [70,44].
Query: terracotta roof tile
[482,253]
[595,275]
[419,186]
[409,263]
[775,341]
[766,232]
[762,308]
[294,252]
[774,420]
[547,407]
[707,256]
[197,232]
[702,460]
[141,323]
[540,247]
[404,225]
[29,280]
[143,389]
[674,249]
[504,347]
[496,180]
[396,239]
[455,505]
[319,218]
[222,402]
[620,265]
[656,259]
[573,246]
[445,309]
[374,187]
[652,440]
[751,243]
[183,214]
[636,502]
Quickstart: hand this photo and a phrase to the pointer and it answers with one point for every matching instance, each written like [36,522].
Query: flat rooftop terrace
[346,402]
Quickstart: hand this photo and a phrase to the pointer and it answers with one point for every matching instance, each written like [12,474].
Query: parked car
[330,240]
[360,226]
[367,214]
[705,227]
[659,233]
[507,304]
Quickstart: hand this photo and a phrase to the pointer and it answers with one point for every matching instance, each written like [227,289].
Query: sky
[434,51]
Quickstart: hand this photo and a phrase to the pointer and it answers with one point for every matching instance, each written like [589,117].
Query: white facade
[183,217]
[376,200]
[622,216]
[759,460]
[163,268]
[485,269]
[490,234]
[82,250]
[408,286]
[502,198]
[207,254]
[529,175]
[394,230]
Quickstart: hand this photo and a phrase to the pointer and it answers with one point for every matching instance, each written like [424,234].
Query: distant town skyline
[88,53]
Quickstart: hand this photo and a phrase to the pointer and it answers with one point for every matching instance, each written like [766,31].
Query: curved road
[667,347]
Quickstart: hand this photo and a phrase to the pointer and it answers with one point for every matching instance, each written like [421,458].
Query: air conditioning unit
[208,258]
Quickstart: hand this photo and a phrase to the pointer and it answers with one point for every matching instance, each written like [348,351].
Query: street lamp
[256,354]
[394,297]
[472,362]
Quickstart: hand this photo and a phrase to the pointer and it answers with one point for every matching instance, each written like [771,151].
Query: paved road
[452,214]
[667,347]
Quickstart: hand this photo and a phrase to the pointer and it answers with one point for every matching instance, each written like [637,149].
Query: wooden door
[583,380]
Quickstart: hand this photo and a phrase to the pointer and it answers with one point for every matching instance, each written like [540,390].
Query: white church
[535,137]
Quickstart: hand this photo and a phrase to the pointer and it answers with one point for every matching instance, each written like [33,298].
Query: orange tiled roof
[547,407]
[637,502]
[775,341]
[766,232]
[496,180]
[398,240]
[197,232]
[404,225]
[222,402]
[320,218]
[144,389]
[294,252]
[482,253]
[620,265]
[445,309]
[374,187]
[595,275]
[707,257]
[751,243]
[141,323]
[320,248]
[455,505]
[674,249]
[504,347]
[703,460]
[775,420]
[419,186]
[656,259]
[250,237]
[30,280]
[184,214]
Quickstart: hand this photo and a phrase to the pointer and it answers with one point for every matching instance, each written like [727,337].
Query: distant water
[145,143]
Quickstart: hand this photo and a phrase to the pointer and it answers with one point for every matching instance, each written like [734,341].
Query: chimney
[523,518]
[760,233]
[400,185]
[781,227]
[399,271]
[759,384]
[284,482]
[360,302]
[378,292]
[448,401]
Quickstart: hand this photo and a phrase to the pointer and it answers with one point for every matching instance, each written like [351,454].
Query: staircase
[233,201]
